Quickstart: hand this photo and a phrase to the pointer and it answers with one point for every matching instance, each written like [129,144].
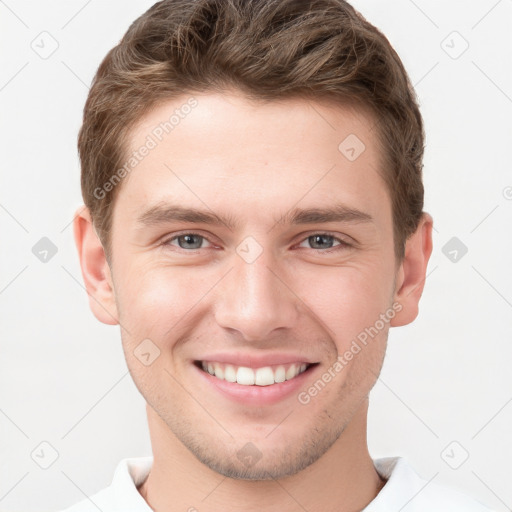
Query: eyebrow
[167,213]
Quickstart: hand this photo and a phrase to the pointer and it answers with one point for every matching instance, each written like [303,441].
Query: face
[250,243]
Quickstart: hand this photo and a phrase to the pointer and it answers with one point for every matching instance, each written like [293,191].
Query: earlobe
[95,269]
[412,272]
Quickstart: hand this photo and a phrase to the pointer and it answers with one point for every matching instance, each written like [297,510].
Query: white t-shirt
[404,490]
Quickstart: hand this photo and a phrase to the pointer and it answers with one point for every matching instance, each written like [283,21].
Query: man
[251,171]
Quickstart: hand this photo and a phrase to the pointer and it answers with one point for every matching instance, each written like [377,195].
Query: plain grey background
[444,398]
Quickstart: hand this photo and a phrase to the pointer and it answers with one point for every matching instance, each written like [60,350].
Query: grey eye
[321,241]
[189,241]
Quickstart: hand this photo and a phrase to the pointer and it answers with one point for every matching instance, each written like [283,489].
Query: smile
[264,376]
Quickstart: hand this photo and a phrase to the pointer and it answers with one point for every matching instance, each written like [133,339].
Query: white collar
[403,488]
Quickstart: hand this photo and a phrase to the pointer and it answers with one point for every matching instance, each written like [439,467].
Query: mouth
[264,376]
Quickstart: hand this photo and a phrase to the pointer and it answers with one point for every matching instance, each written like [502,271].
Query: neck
[344,479]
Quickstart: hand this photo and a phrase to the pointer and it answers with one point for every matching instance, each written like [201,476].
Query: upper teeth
[248,376]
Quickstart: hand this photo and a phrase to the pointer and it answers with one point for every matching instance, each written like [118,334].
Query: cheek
[165,303]
[155,304]
[153,300]
[347,299]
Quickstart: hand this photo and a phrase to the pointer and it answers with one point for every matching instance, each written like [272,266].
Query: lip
[256,395]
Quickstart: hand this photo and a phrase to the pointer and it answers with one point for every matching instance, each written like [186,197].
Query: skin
[254,163]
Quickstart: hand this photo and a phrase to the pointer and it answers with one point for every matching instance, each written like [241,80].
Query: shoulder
[445,498]
[102,500]
[122,494]
[406,489]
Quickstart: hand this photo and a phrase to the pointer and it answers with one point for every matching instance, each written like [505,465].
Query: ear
[95,269]
[410,278]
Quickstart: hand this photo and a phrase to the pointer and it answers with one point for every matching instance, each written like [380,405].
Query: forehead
[244,157]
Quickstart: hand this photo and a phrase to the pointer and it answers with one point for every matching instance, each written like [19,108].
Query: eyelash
[342,243]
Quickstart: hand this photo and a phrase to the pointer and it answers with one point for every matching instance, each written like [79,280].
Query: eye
[324,241]
[187,241]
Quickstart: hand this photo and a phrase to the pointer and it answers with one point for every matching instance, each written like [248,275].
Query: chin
[260,460]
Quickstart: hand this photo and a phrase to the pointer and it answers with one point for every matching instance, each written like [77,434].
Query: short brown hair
[269,50]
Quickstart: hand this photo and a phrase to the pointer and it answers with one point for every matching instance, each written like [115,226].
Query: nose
[255,299]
